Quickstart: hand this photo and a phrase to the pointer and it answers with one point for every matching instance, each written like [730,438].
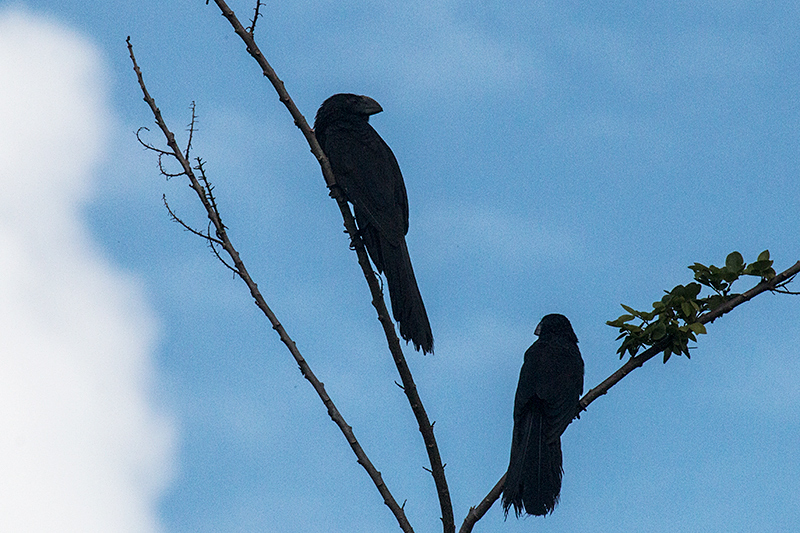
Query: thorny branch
[207,236]
[409,387]
[241,270]
[161,153]
[772,285]
[252,27]
[191,129]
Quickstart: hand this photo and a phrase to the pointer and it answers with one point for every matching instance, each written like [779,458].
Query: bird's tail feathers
[533,481]
[408,308]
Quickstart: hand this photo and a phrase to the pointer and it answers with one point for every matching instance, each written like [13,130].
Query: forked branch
[775,284]
[409,387]
[222,240]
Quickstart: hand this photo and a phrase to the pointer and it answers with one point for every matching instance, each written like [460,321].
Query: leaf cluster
[675,319]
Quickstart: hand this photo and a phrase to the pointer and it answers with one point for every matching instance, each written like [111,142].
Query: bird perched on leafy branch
[550,386]
[366,170]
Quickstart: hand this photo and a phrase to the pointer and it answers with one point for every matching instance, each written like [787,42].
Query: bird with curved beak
[366,170]
[550,386]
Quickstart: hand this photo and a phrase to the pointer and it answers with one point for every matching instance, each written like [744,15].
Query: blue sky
[558,157]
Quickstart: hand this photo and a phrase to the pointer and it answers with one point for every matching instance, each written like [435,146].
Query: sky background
[559,157]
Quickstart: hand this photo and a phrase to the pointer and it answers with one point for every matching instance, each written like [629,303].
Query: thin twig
[186,226]
[781,287]
[410,388]
[205,236]
[476,513]
[161,153]
[633,363]
[252,27]
[241,270]
[191,129]
[785,291]
[150,146]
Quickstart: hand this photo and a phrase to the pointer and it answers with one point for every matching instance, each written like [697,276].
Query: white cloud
[82,447]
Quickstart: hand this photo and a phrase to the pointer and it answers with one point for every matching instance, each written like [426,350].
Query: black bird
[550,386]
[367,171]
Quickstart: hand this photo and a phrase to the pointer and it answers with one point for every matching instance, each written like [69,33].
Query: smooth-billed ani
[550,386]
[367,171]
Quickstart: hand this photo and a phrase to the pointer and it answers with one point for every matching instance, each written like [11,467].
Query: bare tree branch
[409,387]
[161,153]
[476,513]
[779,281]
[785,291]
[781,287]
[212,242]
[191,128]
[252,27]
[150,146]
[186,226]
[241,270]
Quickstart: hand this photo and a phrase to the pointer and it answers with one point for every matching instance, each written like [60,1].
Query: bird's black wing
[533,479]
[367,171]
[558,367]
[550,384]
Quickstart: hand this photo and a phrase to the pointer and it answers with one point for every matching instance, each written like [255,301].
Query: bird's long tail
[407,306]
[533,481]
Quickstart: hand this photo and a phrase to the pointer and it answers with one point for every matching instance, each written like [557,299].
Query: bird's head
[347,105]
[556,326]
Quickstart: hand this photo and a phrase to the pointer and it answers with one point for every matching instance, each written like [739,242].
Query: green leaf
[672,318]
[734,261]
[697,327]
[715,301]
[692,290]
[658,331]
[731,274]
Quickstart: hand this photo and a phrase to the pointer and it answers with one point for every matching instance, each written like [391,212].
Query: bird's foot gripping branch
[679,316]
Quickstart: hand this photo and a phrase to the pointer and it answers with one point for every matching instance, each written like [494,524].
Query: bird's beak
[538,329]
[370,106]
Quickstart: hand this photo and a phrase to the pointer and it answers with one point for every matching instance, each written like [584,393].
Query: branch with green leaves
[770,282]
[674,320]
[682,315]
